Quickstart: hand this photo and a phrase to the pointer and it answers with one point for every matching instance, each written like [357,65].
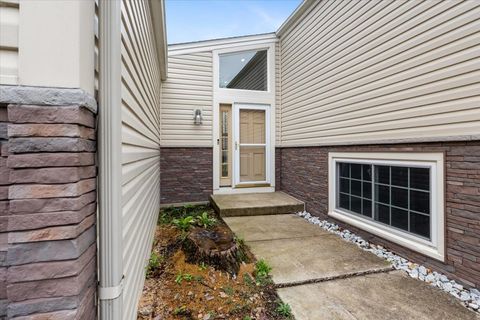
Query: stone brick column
[4,182]
[47,212]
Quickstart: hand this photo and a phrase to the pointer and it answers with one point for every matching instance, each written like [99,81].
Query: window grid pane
[399,196]
[355,191]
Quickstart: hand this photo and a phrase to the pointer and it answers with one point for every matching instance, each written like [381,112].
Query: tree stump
[215,247]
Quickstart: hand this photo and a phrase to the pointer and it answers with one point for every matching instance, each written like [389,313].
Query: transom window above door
[244,70]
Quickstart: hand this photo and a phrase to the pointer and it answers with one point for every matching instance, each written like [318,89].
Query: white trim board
[232,96]
[221,44]
[435,247]
[295,16]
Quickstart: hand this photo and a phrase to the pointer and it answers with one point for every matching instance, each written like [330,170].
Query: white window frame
[238,96]
[435,247]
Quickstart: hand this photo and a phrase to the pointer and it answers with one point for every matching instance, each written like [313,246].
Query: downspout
[109,151]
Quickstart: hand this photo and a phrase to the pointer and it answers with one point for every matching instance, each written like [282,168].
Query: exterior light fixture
[197,118]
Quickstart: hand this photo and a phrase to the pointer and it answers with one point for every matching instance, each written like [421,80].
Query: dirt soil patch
[177,289]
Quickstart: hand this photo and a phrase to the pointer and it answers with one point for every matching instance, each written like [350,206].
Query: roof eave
[159,25]
[215,44]
[295,16]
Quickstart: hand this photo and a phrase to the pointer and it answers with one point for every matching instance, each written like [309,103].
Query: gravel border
[468,297]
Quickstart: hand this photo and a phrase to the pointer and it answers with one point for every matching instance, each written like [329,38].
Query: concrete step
[255,204]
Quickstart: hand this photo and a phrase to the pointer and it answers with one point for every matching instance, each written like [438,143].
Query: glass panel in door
[252,145]
[225,145]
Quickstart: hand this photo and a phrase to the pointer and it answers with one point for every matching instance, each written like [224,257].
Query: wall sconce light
[197,117]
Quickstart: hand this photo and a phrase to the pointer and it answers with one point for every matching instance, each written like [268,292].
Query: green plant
[247,279]
[184,224]
[154,263]
[181,311]
[262,268]
[247,318]
[262,272]
[284,309]
[205,221]
[239,240]
[228,290]
[163,218]
[241,252]
[187,209]
[183,276]
[179,278]
[203,266]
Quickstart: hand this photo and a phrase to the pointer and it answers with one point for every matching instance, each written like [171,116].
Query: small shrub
[284,309]
[184,224]
[205,221]
[247,318]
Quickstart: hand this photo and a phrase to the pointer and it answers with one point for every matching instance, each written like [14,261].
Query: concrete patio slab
[250,204]
[273,227]
[392,295]
[309,259]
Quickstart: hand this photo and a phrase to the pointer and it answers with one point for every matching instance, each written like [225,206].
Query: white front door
[252,152]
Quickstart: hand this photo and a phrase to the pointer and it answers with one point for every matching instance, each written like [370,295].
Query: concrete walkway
[322,276]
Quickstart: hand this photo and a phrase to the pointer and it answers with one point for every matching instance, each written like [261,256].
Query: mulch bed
[176,289]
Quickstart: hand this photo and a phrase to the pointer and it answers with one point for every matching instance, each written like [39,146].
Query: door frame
[236,142]
[233,96]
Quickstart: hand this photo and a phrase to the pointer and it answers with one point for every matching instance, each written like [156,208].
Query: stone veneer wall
[305,176]
[278,169]
[47,210]
[186,174]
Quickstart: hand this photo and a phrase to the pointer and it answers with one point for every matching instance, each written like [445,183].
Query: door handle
[236,145]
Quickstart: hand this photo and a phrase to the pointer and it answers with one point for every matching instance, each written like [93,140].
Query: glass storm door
[252,152]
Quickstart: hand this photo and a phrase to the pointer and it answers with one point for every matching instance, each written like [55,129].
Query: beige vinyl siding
[9,21]
[189,86]
[140,146]
[364,71]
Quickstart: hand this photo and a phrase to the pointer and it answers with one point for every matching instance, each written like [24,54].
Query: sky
[195,20]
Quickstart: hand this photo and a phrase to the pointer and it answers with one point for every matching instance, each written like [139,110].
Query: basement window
[395,196]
